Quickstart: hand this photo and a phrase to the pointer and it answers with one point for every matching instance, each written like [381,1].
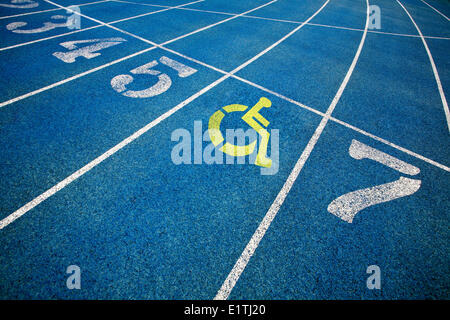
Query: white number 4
[348,205]
[88,52]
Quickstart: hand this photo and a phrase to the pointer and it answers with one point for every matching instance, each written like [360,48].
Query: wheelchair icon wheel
[250,118]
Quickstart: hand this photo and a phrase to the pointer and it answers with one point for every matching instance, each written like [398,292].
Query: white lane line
[56,84]
[5,103]
[414,154]
[435,9]
[222,21]
[249,250]
[287,21]
[49,10]
[97,26]
[48,38]
[409,35]
[33,203]
[169,41]
[322,114]
[441,166]
[393,145]
[32,93]
[433,66]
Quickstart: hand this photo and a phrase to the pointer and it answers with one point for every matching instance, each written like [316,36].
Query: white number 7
[348,205]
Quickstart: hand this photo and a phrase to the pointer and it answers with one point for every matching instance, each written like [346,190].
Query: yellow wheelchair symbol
[250,118]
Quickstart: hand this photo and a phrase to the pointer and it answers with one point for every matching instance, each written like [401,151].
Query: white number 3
[20,4]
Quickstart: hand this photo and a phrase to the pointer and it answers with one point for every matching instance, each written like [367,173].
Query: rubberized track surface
[87,170]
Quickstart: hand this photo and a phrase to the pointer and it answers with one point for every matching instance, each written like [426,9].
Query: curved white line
[49,10]
[435,10]
[62,184]
[249,250]
[433,66]
[322,114]
[284,20]
[32,93]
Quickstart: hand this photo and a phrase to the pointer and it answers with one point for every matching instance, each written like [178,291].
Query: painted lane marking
[96,26]
[285,21]
[119,83]
[87,52]
[433,66]
[435,10]
[62,184]
[49,10]
[249,250]
[348,205]
[361,151]
[15,26]
[20,4]
[340,122]
[250,118]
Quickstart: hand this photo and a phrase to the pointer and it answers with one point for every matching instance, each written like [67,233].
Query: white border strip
[433,66]
[249,250]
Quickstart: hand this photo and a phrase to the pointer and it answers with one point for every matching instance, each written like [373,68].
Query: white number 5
[120,82]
